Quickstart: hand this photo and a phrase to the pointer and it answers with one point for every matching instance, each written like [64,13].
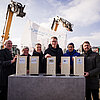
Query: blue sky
[84,14]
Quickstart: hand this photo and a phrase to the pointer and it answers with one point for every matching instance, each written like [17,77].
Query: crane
[13,7]
[64,22]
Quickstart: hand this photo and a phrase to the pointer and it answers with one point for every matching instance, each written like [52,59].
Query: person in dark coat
[26,53]
[7,67]
[92,70]
[71,52]
[38,52]
[54,50]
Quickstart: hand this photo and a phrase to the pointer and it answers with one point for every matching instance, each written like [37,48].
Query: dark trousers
[94,92]
[3,93]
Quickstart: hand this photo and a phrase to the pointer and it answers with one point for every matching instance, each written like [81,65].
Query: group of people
[91,64]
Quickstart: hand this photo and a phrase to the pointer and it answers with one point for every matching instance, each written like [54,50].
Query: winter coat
[71,54]
[41,67]
[6,68]
[92,65]
[55,52]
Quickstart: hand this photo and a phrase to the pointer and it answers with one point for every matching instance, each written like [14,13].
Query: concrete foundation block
[46,88]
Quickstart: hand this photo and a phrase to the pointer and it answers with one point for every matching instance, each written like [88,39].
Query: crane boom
[64,22]
[6,36]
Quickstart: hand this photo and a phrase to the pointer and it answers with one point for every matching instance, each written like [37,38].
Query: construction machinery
[64,22]
[13,7]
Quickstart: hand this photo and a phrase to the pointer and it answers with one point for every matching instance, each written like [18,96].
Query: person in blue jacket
[71,52]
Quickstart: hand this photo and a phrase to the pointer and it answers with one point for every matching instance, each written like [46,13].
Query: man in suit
[7,67]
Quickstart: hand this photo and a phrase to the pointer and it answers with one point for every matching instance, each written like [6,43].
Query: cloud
[3,10]
[79,12]
[82,12]
[55,3]
[93,38]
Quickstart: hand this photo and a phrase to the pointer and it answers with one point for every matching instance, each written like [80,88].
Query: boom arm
[64,22]
[5,35]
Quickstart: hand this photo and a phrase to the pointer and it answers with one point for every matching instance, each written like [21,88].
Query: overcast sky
[84,14]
